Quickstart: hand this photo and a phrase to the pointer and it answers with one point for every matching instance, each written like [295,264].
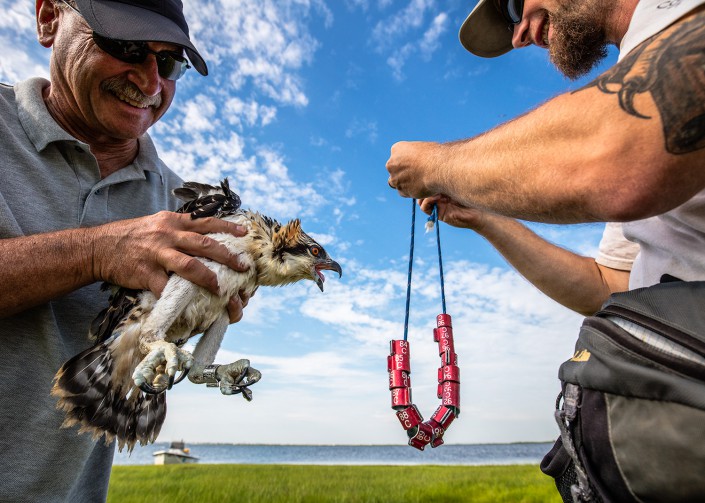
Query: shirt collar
[40,126]
[42,129]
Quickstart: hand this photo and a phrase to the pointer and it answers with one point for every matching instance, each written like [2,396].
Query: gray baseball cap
[485,32]
[142,20]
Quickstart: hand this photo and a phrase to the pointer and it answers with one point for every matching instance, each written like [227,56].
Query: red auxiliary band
[399,367]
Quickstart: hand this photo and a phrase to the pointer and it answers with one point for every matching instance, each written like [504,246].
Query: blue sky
[303,102]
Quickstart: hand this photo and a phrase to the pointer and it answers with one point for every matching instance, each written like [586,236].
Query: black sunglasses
[512,11]
[170,64]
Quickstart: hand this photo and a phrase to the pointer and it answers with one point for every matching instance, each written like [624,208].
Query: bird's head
[290,254]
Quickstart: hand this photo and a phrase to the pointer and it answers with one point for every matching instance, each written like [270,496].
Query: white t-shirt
[674,242]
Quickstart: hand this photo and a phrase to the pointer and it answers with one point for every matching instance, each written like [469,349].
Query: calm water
[489,454]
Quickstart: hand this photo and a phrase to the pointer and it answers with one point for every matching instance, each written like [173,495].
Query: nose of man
[521,37]
[145,76]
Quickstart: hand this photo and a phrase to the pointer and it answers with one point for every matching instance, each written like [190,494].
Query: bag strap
[582,492]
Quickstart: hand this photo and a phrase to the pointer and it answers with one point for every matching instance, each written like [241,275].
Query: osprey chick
[116,388]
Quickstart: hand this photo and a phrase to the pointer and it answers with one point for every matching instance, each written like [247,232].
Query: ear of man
[47,14]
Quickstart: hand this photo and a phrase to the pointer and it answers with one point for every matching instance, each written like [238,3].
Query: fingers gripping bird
[116,388]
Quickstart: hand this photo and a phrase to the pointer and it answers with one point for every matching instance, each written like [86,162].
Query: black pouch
[632,406]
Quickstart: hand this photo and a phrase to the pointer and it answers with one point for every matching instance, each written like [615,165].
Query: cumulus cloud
[262,44]
[248,113]
[22,57]
[256,53]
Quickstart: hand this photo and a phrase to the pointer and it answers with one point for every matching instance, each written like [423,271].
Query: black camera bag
[632,407]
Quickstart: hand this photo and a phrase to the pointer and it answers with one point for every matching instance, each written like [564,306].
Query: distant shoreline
[354,455]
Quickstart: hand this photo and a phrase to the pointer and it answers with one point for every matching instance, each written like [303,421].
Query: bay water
[470,454]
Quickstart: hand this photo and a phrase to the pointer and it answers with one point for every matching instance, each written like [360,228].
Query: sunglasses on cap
[512,11]
[170,65]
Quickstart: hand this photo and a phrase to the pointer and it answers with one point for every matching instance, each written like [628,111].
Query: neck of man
[111,153]
[619,19]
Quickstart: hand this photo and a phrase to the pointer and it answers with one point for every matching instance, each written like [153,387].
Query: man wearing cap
[80,203]
[627,147]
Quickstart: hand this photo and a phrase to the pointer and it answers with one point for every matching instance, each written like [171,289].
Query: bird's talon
[162,355]
[184,373]
[242,375]
[149,389]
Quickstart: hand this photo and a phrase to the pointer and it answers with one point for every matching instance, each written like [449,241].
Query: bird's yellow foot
[237,377]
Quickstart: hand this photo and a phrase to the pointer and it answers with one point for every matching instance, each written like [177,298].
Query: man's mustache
[129,90]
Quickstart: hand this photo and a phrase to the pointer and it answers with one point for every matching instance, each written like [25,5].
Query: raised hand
[140,253]
[453,213]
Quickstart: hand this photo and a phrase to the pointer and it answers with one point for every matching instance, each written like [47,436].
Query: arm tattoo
[670,66]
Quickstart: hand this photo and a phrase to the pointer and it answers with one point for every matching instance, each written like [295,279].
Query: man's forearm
[38,268]
[554,165]
[138,253]
[615,150]
[574,281]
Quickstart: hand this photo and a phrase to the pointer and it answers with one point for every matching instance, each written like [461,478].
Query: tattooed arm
[627,146]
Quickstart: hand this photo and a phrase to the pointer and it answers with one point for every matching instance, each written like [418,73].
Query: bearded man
[80,203]
[627,149]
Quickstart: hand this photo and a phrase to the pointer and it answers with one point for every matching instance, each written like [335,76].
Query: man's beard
[579,41]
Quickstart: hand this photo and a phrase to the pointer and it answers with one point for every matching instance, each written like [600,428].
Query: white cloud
[318,141]
[580,238]
[430,43]
[261,43]
[200,114]
[18,63]
[22,56]
[398,36]
[18,17]
[256,51]
[249,113]
[387,31]
[398,59]
[364,128]
[365,4]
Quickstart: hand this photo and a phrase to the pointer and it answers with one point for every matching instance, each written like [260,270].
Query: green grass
[296,483]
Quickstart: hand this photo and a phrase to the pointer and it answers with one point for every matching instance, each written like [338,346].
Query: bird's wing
[202,200]
[121,302]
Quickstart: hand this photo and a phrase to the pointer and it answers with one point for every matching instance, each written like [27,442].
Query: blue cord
[411,263]
[434,216]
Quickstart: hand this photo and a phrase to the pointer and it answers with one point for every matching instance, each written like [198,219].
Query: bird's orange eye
[315,250]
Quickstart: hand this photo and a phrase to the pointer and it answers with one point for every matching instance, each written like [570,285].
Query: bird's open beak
[325,265]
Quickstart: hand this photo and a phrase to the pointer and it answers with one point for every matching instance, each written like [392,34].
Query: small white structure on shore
[176,454]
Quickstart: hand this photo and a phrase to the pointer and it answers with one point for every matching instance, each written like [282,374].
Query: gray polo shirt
[49,181]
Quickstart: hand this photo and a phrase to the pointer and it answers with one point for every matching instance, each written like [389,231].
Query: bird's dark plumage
[202,201]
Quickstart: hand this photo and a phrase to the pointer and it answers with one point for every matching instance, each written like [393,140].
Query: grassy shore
[310,484]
